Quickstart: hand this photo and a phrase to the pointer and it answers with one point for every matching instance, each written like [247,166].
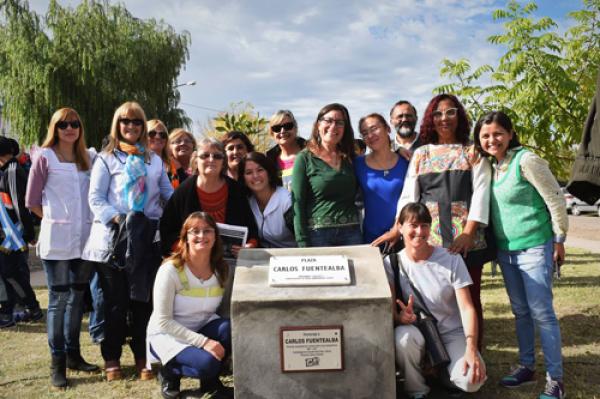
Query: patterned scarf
[135,183]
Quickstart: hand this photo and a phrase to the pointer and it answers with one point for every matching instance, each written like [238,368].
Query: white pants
[410,349]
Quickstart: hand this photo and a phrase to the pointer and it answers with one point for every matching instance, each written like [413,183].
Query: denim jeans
[335,236]
[96,326]
[67,282]
[528,279]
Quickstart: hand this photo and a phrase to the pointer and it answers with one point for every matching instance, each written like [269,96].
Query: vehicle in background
[576,207]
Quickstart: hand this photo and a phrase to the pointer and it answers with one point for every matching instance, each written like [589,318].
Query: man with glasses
[403,118]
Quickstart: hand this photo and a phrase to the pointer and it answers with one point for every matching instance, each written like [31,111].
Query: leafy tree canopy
[545,80]
[91,58]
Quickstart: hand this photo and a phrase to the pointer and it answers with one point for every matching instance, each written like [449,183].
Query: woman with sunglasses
[236,145]
[323,183]
[271,204]
[127,186]
[57,192]
[209,189]
[158,139]
[284,130]
[380,175]
[530,223]
[449,176]
[182,145]
[185,332]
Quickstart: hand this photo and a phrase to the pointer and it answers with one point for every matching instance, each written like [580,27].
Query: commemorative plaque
[313,348]
[287,271]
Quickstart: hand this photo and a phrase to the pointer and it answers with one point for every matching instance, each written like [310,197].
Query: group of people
[149,198]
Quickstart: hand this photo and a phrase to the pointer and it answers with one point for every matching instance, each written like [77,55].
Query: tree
[242,118]
[544,81]
[92,58]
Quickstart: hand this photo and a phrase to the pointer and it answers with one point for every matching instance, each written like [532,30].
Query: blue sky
[302,54]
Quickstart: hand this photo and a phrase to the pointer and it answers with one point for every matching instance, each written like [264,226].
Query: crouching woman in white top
[443,281]
[185,333]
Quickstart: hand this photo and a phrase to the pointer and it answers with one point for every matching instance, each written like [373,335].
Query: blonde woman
[57,192]
[127,186]
[182,145]
[158,139]
[185,331]
[284,131]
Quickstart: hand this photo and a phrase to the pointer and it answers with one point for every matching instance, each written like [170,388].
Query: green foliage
[92,58]
[545,80]
[243,118]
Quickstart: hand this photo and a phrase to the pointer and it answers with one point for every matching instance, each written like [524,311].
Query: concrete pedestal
[363,308]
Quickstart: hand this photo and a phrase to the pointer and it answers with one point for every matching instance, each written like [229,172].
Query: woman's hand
[473,361]
[559,253]
[462,244]
[392,236]
[407,315]
[404,153]
[215,349]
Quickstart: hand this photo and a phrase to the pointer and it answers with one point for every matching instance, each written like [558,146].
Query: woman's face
[68,130]
[495,139]
[236,151]
[256,177]
[331,128]
[130,127]
[415,234]
[157,139]
[375,134]
[210,161]
[182,147]
[285,132]
[445,121]
[200,237]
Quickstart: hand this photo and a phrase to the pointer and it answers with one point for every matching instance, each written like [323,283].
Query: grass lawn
[24,357]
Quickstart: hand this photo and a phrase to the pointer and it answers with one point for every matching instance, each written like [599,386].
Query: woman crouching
[185,332]
[442,280]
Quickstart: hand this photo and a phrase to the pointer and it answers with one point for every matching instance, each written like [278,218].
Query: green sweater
[322,196]
[519,213]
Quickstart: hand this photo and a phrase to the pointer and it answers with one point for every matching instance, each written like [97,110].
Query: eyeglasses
[201,232]
[154,133]
[449,113]
[215,155]
[233,147]
[182,141]
[64,124]
[331,121]
[285,126]
[404,116]
[371,130]
[135,122]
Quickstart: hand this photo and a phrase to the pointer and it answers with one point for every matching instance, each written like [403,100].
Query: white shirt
[272,230]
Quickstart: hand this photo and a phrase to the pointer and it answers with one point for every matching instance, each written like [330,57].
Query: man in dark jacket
[16,231]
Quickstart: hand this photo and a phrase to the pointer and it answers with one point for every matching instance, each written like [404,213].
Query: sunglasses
[285,126]
[64,124]
[215,155]
[153,133]
[135,122]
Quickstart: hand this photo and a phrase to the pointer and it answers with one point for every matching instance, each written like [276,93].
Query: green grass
[24,357]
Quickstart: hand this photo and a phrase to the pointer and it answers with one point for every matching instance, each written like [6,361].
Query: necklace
[383,165]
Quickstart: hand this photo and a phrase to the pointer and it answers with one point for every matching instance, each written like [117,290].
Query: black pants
[123,316]
[15,273]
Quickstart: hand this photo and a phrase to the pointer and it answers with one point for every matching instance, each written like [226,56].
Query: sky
[301,55]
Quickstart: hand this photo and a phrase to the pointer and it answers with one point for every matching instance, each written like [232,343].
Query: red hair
[427,132]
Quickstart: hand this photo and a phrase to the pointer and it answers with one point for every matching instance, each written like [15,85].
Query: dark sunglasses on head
[153,133]
[136,122]
[285,126]
[64,124]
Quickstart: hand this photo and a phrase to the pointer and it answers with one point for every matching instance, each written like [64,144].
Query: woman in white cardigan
[185,333]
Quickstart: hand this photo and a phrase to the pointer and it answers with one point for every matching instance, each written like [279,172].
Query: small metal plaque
[308,270]
[312,348]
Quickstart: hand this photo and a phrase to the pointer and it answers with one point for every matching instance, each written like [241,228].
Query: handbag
[427,324]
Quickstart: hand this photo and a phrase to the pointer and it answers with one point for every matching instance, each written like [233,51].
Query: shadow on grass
[489,283]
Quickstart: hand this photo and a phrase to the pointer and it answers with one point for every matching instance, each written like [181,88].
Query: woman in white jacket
[57,192]
[127,187]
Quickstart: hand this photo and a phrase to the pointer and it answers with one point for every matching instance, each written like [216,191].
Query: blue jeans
[528,279]
[96,326]
[335,236]
[67,282]
[197,363]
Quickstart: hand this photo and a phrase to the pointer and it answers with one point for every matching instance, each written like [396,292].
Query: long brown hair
[181,254]
[82,159]
[346,144]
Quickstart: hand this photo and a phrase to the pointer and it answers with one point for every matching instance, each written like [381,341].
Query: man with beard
[403,118]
